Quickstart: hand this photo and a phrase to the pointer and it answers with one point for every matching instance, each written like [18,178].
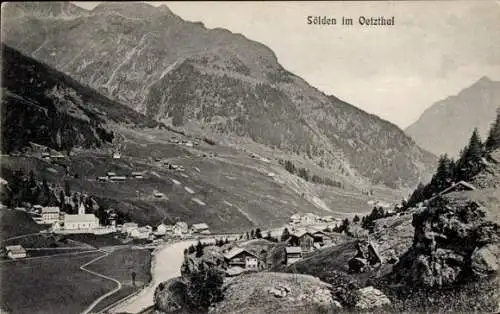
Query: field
[120,265]
[50,285]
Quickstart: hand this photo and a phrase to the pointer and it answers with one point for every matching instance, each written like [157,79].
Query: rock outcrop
[454,241]
[370,298]
[171,295]
[366,258]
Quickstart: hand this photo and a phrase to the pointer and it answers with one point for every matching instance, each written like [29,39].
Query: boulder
[370,298]
[485,260]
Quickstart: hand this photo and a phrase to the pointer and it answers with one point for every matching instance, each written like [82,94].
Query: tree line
[472,161]
[304,174]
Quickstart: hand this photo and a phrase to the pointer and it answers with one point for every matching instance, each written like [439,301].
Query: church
[81,220]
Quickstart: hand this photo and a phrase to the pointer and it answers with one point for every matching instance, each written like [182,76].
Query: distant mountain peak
[446,126]
[131,9]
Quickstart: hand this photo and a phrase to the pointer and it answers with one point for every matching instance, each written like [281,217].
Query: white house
[308,218]
[295,218]
[140,233]
[129,226]
[162,229]
[116,155]
[50,215]
[180,227]
[15,251]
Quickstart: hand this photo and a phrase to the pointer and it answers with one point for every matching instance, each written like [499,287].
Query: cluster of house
[303,242]
[113,177]
[180,228]
[312,219]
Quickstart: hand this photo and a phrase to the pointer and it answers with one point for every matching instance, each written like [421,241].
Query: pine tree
[355,219]
[258,233]
[285,235]
[469,163]
[493,140]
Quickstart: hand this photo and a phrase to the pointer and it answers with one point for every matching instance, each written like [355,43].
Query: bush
[205,287]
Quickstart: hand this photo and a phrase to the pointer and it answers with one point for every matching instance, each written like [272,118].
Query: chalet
[199,228]
[321,238]
[50,215]
[303,239]
[117,178]
[189,144]
[180,227]
[129,226]
[242,258]
[102,179]
[460,186]
[292,254]
[116,155]
[110,174]
[46,155]
[15,251]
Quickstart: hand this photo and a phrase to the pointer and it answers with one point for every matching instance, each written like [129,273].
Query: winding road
[104,296]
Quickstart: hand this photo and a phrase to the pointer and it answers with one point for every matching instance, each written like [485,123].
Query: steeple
[81,209]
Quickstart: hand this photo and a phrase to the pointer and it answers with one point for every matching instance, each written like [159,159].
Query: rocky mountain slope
[212,81]
[446,126]
[46,107]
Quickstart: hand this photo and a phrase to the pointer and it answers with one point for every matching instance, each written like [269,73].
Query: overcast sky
[434,50]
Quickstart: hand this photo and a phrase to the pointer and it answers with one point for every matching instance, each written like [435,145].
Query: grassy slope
[14,223]
[119,265]
[235,188]
[50,285]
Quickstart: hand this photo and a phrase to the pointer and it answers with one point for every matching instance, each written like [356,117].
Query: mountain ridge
[184,74]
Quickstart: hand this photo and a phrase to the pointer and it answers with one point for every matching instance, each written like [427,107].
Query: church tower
[81,209]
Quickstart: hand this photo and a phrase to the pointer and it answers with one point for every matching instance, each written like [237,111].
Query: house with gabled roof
[242,258]
[15,251]
[292,254]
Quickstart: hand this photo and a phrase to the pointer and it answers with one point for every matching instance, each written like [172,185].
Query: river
[166,264]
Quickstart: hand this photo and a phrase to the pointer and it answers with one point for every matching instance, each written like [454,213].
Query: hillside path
[104,296]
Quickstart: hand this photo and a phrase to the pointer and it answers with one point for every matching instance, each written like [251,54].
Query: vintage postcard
[250,157]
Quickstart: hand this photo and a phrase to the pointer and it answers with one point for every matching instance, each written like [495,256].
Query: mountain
[211,81]
[46,107]
[445,127]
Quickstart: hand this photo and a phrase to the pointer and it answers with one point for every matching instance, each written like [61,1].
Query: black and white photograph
[250,157]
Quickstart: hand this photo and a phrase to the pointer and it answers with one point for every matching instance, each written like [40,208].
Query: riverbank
[166,263]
